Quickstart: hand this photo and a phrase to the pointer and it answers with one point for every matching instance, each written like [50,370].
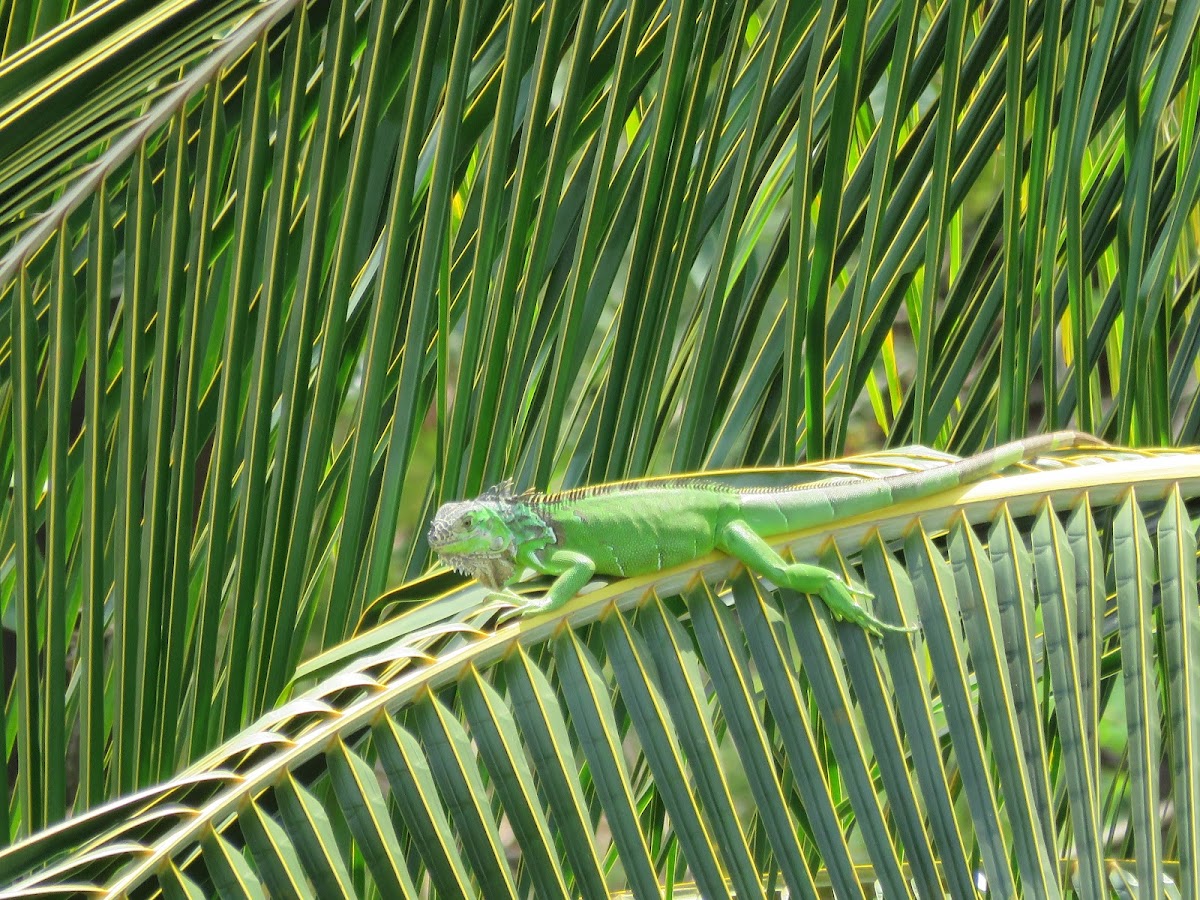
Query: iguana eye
[469,520]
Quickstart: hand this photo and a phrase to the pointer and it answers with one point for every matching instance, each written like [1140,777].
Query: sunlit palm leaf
[971,753]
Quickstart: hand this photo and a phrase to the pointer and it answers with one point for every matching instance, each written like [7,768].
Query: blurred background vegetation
[277,278]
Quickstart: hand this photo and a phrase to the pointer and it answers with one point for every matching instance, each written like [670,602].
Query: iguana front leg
[740,541]
[572,570]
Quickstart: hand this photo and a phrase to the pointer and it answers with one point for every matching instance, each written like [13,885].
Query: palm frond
[675,734]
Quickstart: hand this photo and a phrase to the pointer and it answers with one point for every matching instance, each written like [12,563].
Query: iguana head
[474,537]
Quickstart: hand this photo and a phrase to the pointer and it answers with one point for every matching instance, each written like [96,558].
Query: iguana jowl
[638,529]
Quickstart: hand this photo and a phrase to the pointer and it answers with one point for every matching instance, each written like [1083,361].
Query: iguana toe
[521,607]
[842,600]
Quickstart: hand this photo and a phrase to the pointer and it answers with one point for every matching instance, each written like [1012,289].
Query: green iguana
[637,529]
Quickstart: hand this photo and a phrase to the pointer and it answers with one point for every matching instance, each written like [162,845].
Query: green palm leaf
[735,739]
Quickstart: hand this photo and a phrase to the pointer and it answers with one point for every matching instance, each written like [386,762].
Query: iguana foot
[842,600]
[510,604]
[520,607]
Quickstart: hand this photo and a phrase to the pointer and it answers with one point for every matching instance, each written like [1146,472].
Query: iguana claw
[519,607]
[840,598]
[858,590]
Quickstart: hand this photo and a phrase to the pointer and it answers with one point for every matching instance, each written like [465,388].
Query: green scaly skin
[629,530]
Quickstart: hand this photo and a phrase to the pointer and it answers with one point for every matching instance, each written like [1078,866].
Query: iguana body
[626,530]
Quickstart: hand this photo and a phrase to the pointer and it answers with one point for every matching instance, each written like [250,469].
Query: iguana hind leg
[740,541]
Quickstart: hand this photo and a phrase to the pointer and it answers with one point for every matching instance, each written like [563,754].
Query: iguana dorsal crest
[500,493]
[505,492]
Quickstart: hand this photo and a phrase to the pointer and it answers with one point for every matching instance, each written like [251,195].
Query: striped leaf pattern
[739,741]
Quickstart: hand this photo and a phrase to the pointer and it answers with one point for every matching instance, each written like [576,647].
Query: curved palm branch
[1023,740]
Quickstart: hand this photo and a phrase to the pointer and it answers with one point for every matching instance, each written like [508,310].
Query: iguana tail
[989,462]
[776,512]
